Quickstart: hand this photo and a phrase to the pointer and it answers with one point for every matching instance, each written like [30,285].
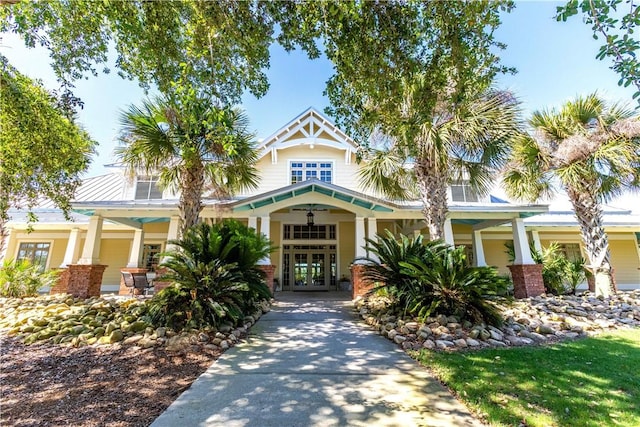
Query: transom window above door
[302,171]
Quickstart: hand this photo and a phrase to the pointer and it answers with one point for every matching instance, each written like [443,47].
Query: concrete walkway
[311,362]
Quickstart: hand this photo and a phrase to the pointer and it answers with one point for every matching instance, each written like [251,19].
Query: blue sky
[555,62]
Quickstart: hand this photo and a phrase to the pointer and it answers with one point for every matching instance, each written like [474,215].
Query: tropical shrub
[22,279]
[426,278]
[560,275]
[214,275]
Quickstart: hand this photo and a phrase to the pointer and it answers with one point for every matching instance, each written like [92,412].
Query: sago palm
[429,147]
[592,151]
[193,145]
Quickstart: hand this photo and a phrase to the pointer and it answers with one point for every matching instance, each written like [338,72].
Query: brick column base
[159,285]
[360,285]
[527,280]
[269,271]
[80,280]
[124,290]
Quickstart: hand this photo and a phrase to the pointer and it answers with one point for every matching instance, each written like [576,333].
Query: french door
[309,267]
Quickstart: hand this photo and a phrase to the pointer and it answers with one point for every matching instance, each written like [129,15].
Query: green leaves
[432,277]
[194,145]
[214,276]
[216,48]
[42,151]
[618,29]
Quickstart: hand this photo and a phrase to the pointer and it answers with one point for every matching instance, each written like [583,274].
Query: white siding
[274,176]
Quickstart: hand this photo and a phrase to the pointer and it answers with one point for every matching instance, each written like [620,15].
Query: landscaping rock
[530,321]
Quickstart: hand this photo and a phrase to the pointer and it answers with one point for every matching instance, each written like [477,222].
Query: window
[150,257]
[147,188]
[461,192]
[301,171]
[293,232]
[571,251]
[36,252]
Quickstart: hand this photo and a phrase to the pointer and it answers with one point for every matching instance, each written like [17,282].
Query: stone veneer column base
[124,290]
[269,271]
[360,285]
[80,280]
[527,280]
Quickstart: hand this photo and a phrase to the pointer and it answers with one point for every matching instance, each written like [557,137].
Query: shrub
[21,279]
[560,275]
[214,277]
[425,278]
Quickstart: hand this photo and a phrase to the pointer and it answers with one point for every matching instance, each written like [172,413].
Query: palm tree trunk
[190,205]
[589,214]
[433,195]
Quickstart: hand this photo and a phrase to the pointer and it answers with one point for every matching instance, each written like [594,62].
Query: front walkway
[310,362]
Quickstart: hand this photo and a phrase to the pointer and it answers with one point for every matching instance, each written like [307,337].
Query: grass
[588,382]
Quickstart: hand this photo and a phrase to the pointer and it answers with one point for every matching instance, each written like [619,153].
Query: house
[310,205]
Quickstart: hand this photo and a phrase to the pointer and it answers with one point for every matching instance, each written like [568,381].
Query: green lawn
[588,382]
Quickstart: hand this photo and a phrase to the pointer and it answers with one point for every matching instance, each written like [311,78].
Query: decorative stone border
[528,321]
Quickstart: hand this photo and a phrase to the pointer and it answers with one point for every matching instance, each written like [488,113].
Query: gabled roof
[309,186]
[310,127]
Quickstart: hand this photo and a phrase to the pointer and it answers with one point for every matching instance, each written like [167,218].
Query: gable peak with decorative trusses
[310,128]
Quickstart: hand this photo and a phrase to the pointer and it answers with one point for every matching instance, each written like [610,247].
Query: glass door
[300,271]
[309,267]
[309,271]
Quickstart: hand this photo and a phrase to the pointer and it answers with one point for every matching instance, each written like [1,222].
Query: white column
[73,248]
[137,246]
[265,228]
[172,233]
[535,236]
[372,230]
[448,232]
[360,242]
[91,250]
[253,222]
[478,250]
[520,242]
[7,241]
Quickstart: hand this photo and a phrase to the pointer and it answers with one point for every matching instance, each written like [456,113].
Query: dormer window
[302,171]
[461,192]
[147,188]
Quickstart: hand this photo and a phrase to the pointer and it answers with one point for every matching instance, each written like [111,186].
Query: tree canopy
[220,48]
[615,21]
[590,149]
[42,151]
[193,146]
[403,69]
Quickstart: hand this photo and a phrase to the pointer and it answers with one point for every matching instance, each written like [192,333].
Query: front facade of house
[310,205]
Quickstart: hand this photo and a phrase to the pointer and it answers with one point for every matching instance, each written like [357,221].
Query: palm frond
[386,173]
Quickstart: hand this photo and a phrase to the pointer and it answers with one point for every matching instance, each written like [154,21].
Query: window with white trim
[302,171]
[571,251]
[461,192]
[147,188]
[35,252]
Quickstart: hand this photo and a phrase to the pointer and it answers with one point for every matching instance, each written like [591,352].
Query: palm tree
[592,150]
[193,146]
[427,148]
